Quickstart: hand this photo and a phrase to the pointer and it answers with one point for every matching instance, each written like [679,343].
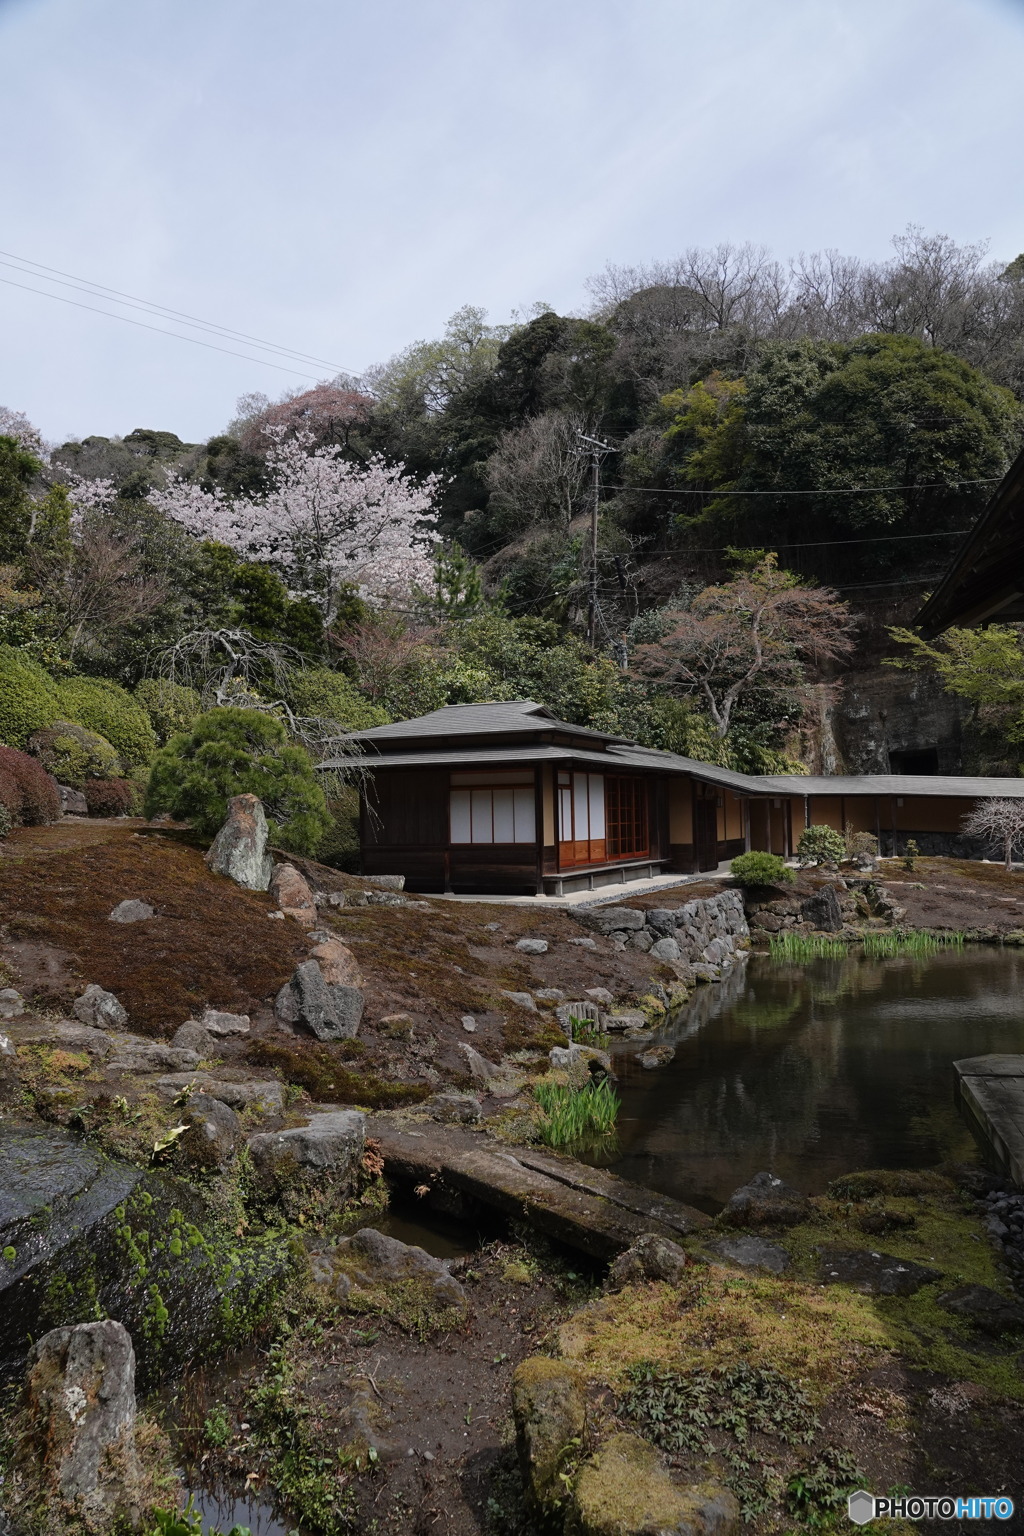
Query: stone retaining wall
[709,931]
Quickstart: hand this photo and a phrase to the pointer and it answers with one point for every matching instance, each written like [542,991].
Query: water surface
[813,1070]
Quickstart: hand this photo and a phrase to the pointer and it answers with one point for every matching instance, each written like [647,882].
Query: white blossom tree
[998,821]
[326,523]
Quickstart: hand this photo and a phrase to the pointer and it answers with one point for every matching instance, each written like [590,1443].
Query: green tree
[18,469]
[235,752]
[917,433]
[985,668]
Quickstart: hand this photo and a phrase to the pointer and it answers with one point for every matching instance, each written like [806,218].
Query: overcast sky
[340,177]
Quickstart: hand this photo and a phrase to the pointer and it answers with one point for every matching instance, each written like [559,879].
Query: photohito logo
[863,1506]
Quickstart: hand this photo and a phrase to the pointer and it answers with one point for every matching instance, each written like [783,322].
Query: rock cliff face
[883,713]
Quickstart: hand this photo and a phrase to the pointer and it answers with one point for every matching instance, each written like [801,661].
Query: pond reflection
[812,1070]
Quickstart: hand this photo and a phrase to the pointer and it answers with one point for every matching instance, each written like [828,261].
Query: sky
[338,178]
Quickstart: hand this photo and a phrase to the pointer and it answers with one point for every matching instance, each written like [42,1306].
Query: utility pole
[597,452]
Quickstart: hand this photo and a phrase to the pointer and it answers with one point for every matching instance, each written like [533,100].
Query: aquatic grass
[574,1116]
[798,946]
[897,942]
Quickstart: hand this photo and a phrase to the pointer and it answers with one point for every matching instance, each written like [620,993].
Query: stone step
[586,1208]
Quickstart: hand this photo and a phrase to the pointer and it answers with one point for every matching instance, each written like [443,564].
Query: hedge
[26,789]
[170,706]
[109,709]
[74,754]
[28,697]
[319,691]
[111,797]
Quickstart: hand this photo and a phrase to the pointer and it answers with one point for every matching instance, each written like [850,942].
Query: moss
[319,1069]
[625,1488]
[890,1181]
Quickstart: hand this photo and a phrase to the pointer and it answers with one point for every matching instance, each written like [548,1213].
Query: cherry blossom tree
[325,523]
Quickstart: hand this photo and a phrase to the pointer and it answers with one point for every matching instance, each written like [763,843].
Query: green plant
[896,942]
[170,706]
[818,1491]
[188,1522]
[753,869]
[585,1032]
[108,708]
[574,1116]
[317,691]
[233,752]
[860,845]
[217,1427]
[911,853]
[73,754]
[821,845]
[794,946]
[28,697]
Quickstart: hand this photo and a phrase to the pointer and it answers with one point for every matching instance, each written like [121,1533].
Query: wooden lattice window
[626,817]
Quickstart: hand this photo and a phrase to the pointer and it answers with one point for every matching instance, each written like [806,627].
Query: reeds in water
[574,1117]
[895,943]
[798,946]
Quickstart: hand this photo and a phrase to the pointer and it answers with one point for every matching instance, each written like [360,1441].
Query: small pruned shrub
[911,853]
[753,869]
[111,797]
[236,752]
[27,790]
[171,707]
[861,847]
[28,697]
[109,709]
[821,845]
[73,754]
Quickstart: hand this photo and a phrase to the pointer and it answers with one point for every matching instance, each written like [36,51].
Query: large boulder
[379,1273]
[985,1308]
[650,1258]
[550,1412]
[240,848]
[337,963]
[313,1167]
[214,1131]
[625,1490]
[100,1009]
[766,1202]
[822,910]
[309,1001]
[78,1447]
[609,919]
[291,892]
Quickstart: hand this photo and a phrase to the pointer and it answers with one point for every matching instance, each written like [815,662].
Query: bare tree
[761,628]
[97,585]
[538,474]
[998,821]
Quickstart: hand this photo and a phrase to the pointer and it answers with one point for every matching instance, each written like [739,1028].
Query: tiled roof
[906,784]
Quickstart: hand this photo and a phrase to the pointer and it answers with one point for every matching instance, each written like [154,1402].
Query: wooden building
[505,797]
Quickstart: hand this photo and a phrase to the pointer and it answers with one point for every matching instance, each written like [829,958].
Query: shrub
[170,706]
[235,752]
[760,869]
[111,797]
[28,791]
[821,845]
[28,697]
[319,691]
[6,820]
[861,845]
[109,709]
[73,754]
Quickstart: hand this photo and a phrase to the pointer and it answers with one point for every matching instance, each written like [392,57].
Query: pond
[812,1070]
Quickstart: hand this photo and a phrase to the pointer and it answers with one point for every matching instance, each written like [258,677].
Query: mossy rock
[895,1182]
[550,1412]
[624,1490]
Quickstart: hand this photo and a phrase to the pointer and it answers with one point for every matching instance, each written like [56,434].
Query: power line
[24,264]
[194,340]
[849,490]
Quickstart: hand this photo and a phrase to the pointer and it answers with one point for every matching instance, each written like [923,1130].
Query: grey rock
[72,801]
[191,1036]
[240,848]
[386,882]
[823,910]
[584,943]
[549,995]
[330,1147]
[566,1058]
[134,1053]
[609,919]
[875,1274]
[650,1258]
[100,1009]
[549,1407]
[12,1004]
[80,1402]
[985,1308]
[600,995]
[641,939]
[455,1108]
[133,911]
[532,946]
[657,1056]
[704,972]
[478,1067]
[766,1201]
[214,1132]
[219,1023]
[329,1013]
[7,1046]
[666,949]
[522,999]
[713,953]
[626,1020]
[370,1259]
[469,1023]
[336,899]
[268,1096]
[662,919]
[66,1033]
[751,1252]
